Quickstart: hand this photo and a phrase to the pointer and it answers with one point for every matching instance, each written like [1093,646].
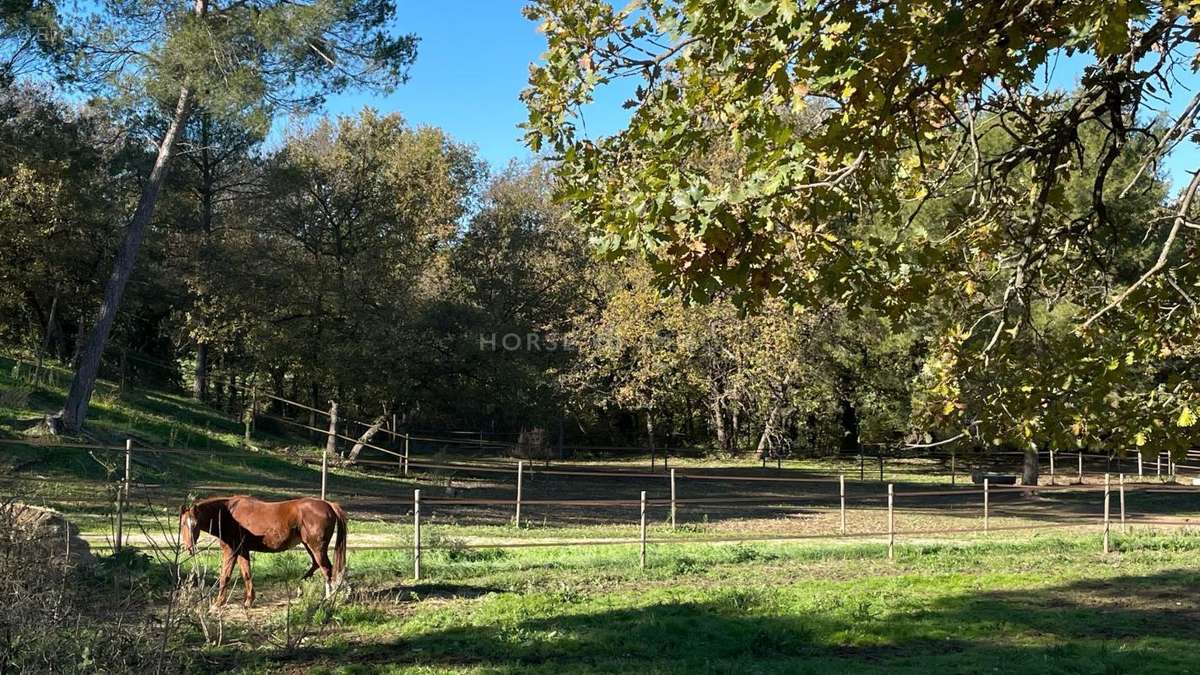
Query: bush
[456,550]
[62,614]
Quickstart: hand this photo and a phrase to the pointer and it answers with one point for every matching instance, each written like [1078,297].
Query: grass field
[1009,600]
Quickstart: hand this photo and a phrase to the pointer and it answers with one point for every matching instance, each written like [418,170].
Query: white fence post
[1139,456]
[642,552]
[1107,501]
[891,523]
[324,471]
[1081,467]
[672,500]
[520,482]
[842,497]
[985,504]
[406,440]
[123,498]
[416,535]
[1052,467]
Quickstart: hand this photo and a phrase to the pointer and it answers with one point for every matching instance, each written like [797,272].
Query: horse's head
[189,528]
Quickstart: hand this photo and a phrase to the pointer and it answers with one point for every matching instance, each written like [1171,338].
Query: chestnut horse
[243,524]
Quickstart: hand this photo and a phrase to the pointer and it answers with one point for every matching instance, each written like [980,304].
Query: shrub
[64,614]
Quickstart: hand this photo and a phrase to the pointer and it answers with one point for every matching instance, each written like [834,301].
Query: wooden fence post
[324,471]
[1107,501]
[842,496]
[520,481]
[417,535]
[407,438]
[672,500]
[331,434]
[642,553]
[1121,493]
[985,504]
[891,523]
[123,497]
[953,467]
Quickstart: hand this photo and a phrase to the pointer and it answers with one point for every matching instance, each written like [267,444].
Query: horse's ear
[183,508]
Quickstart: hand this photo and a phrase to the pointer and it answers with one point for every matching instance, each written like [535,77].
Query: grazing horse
[243,524]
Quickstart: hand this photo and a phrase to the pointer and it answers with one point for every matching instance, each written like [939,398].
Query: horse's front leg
[227,559]
[243,560]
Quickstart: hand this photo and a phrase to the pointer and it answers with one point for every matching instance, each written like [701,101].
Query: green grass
[1048,604]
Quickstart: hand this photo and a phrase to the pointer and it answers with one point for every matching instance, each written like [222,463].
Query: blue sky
[473,61]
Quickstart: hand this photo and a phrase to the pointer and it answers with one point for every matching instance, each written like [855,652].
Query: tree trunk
[719,420]
[232,392]
[75,408]
[200,385]
[46,339]
[650,436]
[331,439]
[365,438]
[1029,476]
[765,438]
[850,439]
[278,379]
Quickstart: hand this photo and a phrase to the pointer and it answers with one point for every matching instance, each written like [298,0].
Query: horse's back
[258,516]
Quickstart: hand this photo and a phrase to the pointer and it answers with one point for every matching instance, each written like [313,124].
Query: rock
[47,530]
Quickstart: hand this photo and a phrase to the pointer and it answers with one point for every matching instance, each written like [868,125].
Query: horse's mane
[208,503]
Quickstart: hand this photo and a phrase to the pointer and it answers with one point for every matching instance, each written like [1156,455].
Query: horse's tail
[339,546]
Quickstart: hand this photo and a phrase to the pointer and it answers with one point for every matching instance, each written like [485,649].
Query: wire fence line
[1191,460]
[673,503]
[515,467]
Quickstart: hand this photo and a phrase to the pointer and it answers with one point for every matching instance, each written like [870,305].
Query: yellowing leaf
[1186,417]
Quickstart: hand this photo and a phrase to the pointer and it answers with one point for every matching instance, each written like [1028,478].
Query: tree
[30,34]
[219,177]
[62,171]
[234,60]
[351,237]
[904,107]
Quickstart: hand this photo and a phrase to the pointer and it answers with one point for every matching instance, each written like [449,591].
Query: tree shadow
[1123,624]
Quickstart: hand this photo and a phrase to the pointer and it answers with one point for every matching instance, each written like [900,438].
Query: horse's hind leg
[312,556]
[244,563]
[322,554]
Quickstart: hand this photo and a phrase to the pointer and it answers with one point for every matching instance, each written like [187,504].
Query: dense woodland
[708,295]
[383,266]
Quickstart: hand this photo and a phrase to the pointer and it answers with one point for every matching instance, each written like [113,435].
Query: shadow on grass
[1124,624]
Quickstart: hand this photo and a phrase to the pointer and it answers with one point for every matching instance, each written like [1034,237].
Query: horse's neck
[214,515]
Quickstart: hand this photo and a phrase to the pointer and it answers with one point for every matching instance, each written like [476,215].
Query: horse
[243,524]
